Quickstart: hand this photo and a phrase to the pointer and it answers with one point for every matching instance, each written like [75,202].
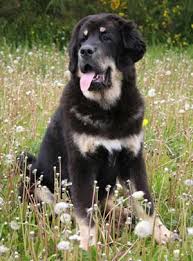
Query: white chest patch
[89,143]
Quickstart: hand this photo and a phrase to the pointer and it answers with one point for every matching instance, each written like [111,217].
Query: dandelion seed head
[188,182]
[3,249]
[176,253]
[74,237]
[14,225]
[19,129]
[138,195]
[151,93]
[9,158]
[60,207]
[63,245]
[143,229]
[1,202]
[65,218]
[168,73]
[190,231]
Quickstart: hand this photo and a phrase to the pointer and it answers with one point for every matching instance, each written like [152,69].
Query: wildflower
[168,73]
[145,122]
[181,111]
[65,183]
[1,202]
[60,207]
[151,93]
[108,187]
[14,225]
[28,93]
[65,218]
[3,249]
[143,229]
[176,253]
[138,195]
[74,237]
[188,182]
[19,129]
[190,231]
[187,106]
[63,245]
[9,158]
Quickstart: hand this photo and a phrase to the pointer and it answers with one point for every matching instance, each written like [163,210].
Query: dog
[97,131]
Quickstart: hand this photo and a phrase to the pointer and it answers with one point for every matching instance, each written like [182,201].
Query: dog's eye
[84,38]
[105,37]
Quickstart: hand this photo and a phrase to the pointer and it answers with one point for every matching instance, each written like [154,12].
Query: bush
[45,22]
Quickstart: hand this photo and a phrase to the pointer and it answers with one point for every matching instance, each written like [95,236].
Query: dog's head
[100,44]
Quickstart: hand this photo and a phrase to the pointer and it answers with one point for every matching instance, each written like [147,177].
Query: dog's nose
[87,51]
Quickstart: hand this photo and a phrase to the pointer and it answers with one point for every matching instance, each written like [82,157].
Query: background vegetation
[33,72]
[31,82]
[31,22]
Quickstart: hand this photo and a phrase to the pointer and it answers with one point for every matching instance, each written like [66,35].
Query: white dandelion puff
[19,129]
[1,202]
[168,73]
[176,253]
[65,218]
[151,93]
[9,158]
[14,225]
[61,208]
[187,106]
[3,249]
[138,195]
[181,111]
[143,229]
[188,182]
[63,245]
[190,231]
[74,237]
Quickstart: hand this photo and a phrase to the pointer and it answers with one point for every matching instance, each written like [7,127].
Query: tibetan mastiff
[96,134]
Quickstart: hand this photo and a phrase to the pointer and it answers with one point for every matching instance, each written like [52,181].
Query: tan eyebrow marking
[102,29]
[86,32]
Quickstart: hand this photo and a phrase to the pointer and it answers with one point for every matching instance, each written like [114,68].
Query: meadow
[31,82]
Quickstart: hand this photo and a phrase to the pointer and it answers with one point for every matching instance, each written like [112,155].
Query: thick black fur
[113,123]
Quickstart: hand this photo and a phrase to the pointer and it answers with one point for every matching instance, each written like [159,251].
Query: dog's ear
[132,40]
[73,46]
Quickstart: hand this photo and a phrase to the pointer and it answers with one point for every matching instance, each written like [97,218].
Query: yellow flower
[115,4]
[145,122]
[192,26]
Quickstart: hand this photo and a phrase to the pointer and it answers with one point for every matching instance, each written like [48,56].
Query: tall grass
[31,83]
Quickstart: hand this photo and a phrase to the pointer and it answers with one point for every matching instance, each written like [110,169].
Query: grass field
[31,83]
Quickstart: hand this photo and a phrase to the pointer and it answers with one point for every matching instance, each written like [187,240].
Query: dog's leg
[133,171]
[82,174]
[87,233]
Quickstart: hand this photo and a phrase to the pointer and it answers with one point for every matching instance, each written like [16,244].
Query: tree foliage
[50,21]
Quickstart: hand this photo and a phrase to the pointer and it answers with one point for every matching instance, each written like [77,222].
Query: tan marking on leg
[160,233]
[88,235]
[43,194]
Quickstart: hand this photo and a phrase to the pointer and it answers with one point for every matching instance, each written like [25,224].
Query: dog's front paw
[162,235]
[87,237]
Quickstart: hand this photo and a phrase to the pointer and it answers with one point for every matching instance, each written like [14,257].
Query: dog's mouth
[93,81]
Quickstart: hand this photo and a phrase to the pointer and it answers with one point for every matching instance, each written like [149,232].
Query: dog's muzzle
[93,81]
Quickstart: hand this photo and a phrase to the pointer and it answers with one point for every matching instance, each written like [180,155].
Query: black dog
[97,128]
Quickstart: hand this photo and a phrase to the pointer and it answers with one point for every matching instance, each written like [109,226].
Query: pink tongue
[85,81]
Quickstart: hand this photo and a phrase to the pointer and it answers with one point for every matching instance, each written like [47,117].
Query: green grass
[31,83]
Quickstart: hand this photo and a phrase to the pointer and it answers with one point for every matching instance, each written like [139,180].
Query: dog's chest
[89,143]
